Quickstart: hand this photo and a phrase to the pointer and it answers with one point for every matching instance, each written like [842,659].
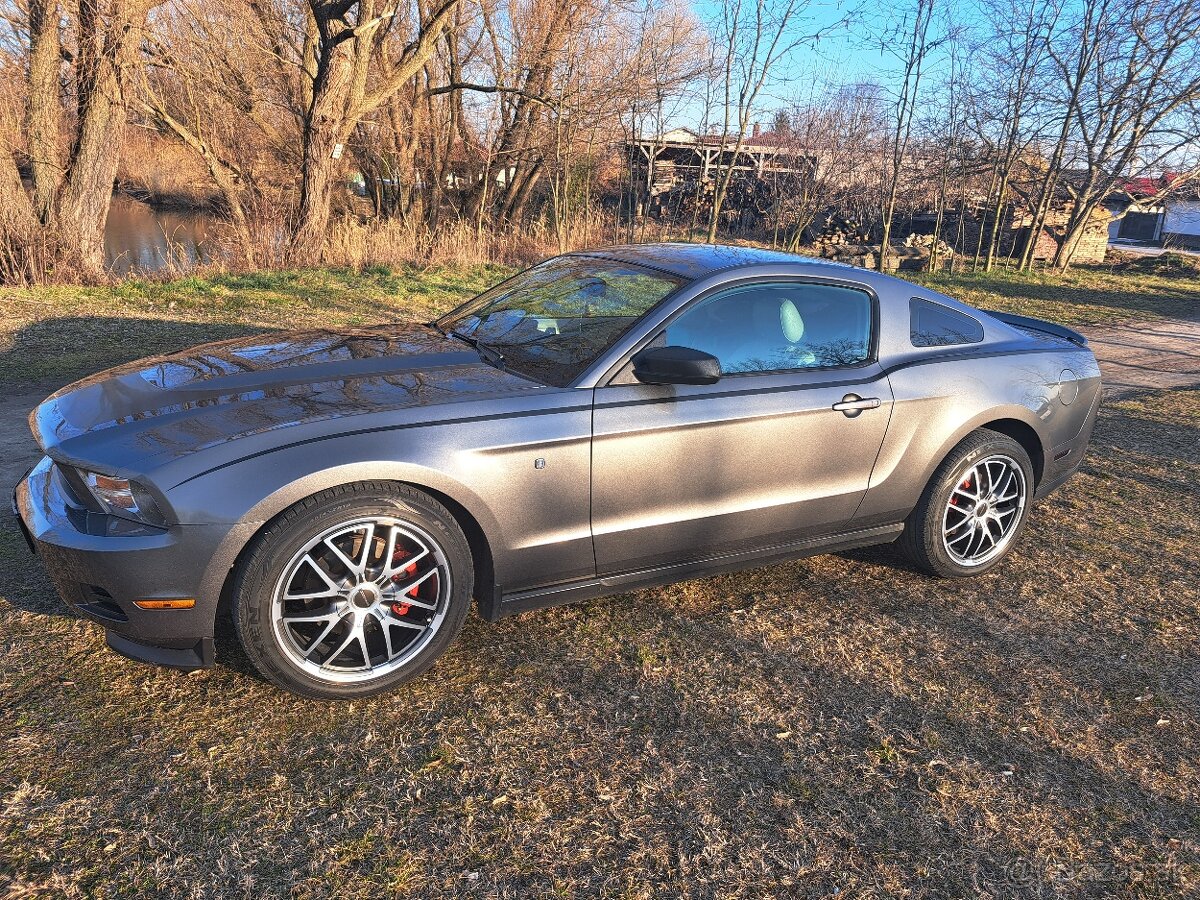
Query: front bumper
[100,575]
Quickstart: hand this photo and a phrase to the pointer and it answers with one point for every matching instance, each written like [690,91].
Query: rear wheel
[353,591]
[973,509]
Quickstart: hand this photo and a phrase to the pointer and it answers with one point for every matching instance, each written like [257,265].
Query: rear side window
[934,325]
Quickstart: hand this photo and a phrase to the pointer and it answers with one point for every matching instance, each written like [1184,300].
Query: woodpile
[834,234]
[924,245]
[915,252]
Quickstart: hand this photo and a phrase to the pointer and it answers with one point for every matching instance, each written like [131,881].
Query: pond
[142,238]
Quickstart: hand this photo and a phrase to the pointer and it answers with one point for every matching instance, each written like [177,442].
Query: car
[606,420]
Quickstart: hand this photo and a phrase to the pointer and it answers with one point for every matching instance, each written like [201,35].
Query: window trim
[871,358]
[958,312]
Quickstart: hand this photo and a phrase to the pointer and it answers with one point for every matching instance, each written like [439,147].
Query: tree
[910,41]
[80,60]
[755,35]
[349,43]
[1012,67]
[1139,112]
[838,135]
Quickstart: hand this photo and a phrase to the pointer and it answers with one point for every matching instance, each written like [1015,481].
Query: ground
[834,725]
[1142,249]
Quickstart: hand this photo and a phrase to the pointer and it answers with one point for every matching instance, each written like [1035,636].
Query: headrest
[791,321]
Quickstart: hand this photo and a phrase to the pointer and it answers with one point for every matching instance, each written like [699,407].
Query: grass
[68,331]
[831,725]
[1084,296]
[60,333]
[834,725]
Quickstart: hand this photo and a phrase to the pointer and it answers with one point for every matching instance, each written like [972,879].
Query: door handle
[852,405]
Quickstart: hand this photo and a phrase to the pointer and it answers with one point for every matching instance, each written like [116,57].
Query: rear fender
[939,403]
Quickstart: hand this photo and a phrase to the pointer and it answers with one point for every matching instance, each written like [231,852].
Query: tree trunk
[324,127]
[106,56]
[43,118]
[316,195]
[522,190]
[20,259]
[997,216]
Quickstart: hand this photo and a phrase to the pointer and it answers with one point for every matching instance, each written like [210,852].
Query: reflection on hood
[217,392]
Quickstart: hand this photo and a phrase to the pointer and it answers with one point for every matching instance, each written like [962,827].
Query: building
[680,168]
[1181,220]
[1145,216]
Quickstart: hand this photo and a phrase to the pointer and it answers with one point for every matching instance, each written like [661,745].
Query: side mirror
[676,365]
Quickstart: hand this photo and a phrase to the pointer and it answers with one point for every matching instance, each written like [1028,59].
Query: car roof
[694,261]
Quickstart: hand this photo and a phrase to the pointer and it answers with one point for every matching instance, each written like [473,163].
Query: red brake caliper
[400,607]
[965,485]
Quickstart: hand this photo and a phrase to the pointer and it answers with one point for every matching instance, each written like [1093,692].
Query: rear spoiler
[1039,325]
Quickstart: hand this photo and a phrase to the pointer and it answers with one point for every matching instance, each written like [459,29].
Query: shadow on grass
[1162,299]
[67,348]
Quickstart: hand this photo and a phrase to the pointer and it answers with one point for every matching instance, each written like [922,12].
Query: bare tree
[80,59]
[910,41]
[1140,113]
[832,141]
[349,46]
[754,35]
[1012,53]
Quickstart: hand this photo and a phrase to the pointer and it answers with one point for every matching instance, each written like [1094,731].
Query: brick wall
[1091,249]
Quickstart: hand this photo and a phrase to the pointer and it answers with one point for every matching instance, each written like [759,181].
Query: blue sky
[843,55]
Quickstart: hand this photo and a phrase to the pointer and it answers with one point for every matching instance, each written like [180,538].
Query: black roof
[696,260]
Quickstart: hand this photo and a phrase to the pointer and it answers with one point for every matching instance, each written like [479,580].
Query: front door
[760,458]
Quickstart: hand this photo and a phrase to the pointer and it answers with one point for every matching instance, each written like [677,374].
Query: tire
[949,523]
[378,569]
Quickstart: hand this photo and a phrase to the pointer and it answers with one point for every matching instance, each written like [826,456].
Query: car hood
[218,392]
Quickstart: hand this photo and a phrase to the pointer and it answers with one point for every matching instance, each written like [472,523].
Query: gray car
[604,421]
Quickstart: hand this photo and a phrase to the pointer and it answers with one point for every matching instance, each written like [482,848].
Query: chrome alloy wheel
[361,599]
[984,510]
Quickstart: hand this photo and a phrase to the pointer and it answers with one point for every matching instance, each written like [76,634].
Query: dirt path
[17,450]
[1164,353]
[1141,356]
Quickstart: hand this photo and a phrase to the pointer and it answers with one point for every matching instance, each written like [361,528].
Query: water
[141,238]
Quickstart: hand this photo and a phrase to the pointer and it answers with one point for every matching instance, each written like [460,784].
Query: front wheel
[353,591]
[973,509]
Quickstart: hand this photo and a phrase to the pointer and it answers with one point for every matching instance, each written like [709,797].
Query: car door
[780,449]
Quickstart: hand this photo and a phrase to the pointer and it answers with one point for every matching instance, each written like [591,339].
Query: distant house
[1142,217]
[680,136]
[1181,220]
[1139,221]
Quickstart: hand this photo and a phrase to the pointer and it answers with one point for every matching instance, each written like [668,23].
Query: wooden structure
[681,162]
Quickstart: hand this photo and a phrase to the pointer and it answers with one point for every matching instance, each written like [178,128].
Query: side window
[934,325]
[778,327]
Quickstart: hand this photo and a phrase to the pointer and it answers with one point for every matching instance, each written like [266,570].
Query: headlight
[122,498]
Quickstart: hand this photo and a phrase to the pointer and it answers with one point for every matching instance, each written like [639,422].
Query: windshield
[552,321]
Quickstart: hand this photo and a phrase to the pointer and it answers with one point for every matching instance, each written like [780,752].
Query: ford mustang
[604,421]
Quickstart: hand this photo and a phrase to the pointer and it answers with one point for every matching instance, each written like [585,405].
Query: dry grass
[392,242]
[831,725]
[67,331]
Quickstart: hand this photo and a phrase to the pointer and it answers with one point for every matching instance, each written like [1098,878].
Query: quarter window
[934,325]
[778,327]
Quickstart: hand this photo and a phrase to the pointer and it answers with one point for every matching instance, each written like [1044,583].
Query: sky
[842,55]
